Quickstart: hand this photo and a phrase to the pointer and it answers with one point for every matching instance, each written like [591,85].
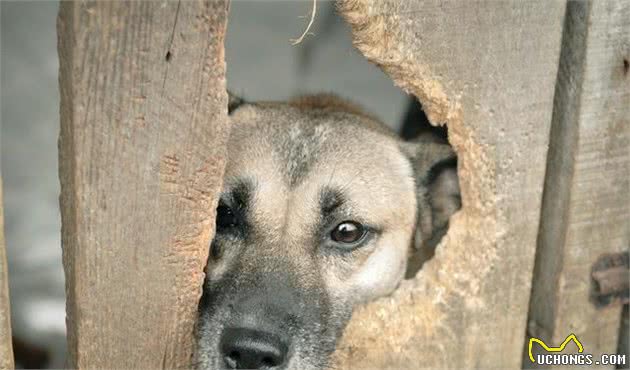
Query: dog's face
[317,215]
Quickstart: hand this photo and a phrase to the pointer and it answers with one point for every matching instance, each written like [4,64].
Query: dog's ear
[437,192]
[234,102]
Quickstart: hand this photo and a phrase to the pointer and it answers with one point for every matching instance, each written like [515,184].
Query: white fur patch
[383,270]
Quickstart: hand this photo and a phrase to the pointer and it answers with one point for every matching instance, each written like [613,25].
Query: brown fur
[330,103]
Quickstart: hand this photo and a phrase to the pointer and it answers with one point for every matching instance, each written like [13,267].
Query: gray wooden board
[488,69]
[143,135]
[586,208]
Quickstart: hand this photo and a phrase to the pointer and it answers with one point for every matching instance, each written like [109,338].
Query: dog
[322,209]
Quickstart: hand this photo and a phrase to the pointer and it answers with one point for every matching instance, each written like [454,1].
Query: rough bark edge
[474,166]
[443,283]
[370,37]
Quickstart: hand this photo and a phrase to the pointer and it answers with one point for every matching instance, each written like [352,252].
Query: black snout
[252,349]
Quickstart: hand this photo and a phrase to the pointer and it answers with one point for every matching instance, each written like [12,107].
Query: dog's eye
[225,217]
[348,232]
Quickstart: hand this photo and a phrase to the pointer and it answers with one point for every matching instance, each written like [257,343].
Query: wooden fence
[536,96]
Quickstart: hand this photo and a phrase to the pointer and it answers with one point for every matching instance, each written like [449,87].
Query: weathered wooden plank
[488,69]
[6,348]
[143,132]
[623,348]
[586,204]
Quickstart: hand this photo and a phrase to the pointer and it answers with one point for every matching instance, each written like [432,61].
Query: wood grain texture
[6,347]
[488,69]
[623,348]
[142,142]
[586,203]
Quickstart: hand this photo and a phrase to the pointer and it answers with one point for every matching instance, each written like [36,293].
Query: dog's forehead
[281,141]
[293,155]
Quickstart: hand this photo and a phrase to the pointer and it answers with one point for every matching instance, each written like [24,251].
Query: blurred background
[261,64]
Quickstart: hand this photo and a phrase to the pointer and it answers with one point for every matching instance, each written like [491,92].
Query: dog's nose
[251,349]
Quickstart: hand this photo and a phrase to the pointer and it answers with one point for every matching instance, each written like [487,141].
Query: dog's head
[319,210]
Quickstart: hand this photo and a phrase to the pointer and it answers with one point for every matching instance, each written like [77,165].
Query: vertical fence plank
[623,348]
[6,348]
[586,204]
[143,131]
[488,69]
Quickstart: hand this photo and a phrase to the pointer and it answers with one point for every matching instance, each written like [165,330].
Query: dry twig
[308,27]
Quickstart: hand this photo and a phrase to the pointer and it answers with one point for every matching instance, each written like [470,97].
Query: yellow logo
[560,348]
